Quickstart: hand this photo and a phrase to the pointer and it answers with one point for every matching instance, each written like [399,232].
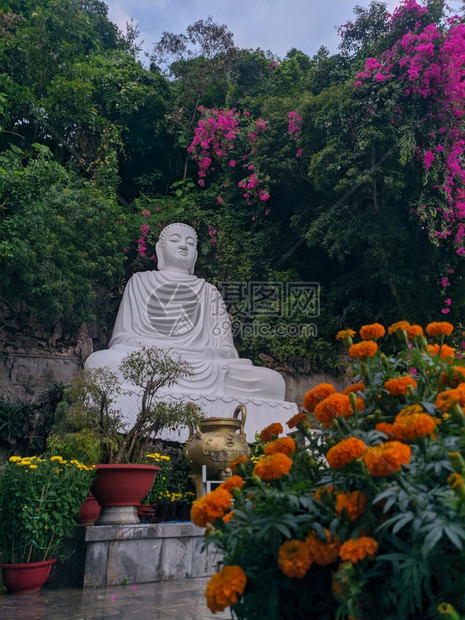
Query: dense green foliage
[94,159]
[40,505]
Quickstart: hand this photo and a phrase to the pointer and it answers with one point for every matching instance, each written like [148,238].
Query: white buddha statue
[173,309]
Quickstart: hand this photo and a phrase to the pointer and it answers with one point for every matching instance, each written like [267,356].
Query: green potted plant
[81,445]
[94,404]
[366,517]
[40,501]
[171,494]
[159,496]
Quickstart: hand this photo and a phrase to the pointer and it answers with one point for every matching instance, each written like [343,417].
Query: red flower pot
[89,511]
[123,485]
[22,578]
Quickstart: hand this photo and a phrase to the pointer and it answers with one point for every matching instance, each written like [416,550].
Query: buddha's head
[177,248]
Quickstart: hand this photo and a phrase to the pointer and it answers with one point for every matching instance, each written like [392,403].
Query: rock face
[23,376]
[32,361]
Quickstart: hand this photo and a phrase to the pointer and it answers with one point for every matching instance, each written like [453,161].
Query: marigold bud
[353,401]
[448,612]
[457,414]
[457,484]
[384,361]
[457,462]
[236,493]
[402,336]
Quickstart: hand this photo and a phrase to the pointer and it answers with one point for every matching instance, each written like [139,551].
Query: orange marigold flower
[336,405]
[233,482]
[355,387]
[386,428]
[322,552]
[294,559]
[224,587]
[356,549]
[438,328]
[237,461]
[392,329]
[345,452]
[366,348]
[345,333]
[271,431]
[454,377]
[446,400]
[413,331]
[412,422]
[317,394]
[273,467]
[399,385]
[286,445]
[210,507]
[298,418]
[228,516]
[353,503]
[386,458]
[373,331]
[445,351]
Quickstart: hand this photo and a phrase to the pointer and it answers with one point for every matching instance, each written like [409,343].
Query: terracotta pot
[123,485]
[22,578]
[146,513]
[89,511]
[119,489]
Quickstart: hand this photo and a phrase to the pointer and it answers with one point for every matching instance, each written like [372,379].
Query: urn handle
[240,409]
[195,429]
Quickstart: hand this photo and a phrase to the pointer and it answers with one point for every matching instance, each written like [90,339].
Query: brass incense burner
[215,442]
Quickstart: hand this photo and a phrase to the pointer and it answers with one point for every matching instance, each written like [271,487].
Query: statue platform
[260,412]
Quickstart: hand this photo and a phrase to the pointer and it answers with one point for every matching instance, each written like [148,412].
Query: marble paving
[183,599]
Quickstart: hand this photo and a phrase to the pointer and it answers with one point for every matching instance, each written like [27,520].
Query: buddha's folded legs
[236,377]
[254,381]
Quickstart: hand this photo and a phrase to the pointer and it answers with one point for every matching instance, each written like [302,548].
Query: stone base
[107,555]
[120,515]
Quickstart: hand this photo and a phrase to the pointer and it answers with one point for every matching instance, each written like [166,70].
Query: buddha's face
[179,248]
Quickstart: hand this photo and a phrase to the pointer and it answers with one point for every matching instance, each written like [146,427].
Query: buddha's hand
[217,353]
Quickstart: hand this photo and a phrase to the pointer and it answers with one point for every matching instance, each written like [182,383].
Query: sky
[274,25]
